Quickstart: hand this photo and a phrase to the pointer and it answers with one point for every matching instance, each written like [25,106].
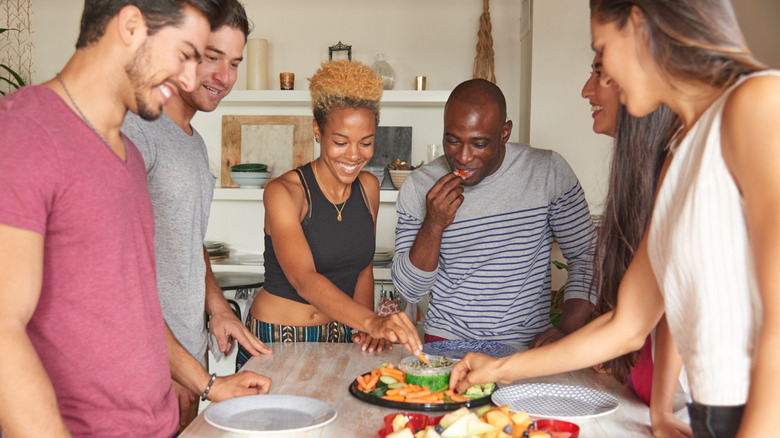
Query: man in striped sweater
[476,226]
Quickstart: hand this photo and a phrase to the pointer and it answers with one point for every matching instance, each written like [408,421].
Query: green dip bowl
[436,375]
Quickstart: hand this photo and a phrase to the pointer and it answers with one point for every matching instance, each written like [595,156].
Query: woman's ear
[637,20]
[317,134]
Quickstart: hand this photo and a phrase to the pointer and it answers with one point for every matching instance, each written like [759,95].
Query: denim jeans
[715,421]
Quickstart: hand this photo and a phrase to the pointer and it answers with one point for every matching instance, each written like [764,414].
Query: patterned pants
[331,332]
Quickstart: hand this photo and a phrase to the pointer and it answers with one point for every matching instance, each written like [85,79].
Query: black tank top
[341,250]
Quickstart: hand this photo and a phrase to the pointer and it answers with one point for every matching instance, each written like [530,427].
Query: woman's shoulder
[753,102]
[287,184]
[749,127]
[369,181]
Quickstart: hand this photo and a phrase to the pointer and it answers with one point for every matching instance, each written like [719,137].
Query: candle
[257,64]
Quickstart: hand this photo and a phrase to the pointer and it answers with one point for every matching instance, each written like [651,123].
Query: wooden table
[325,371]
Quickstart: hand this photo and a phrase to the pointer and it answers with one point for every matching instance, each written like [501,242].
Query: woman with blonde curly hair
[320,224]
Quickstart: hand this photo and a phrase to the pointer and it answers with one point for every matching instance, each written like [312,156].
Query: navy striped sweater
[493,279]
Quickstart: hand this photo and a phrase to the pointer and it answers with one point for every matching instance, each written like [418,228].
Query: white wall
[560,117]
[435,38]
[760,22]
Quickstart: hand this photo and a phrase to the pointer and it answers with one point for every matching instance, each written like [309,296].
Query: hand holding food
[443,200]
[396,328]
[476,368]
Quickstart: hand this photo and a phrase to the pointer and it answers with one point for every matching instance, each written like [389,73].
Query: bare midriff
[277,310]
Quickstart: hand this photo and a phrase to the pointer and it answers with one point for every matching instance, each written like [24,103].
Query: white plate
[550,400]
[249,259]
[270,414]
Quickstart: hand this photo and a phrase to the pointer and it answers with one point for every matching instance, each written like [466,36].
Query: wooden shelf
[296,97]
[237,194]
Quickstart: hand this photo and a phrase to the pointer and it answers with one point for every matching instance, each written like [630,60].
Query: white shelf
[236,194]
[293,97]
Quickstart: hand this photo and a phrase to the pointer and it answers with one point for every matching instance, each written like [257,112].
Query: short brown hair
[157,13]
[344,84]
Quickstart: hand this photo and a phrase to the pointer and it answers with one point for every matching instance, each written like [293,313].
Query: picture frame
[340,47]
[281,142]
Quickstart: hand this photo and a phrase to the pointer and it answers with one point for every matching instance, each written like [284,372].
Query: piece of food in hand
[479,390]
[460,172]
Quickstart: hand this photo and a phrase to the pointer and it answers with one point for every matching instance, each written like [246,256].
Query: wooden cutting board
[282,142]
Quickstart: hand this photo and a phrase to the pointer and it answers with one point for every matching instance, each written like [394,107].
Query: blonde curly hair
[344,84]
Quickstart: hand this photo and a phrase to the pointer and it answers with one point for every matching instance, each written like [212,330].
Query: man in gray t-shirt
[181,187]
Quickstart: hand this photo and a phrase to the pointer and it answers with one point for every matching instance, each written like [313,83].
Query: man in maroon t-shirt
[85,349]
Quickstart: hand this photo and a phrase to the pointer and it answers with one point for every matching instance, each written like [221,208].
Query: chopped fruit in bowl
[487,422]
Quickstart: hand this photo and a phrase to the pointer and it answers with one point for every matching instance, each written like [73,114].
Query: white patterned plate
[550,400]
[271,415]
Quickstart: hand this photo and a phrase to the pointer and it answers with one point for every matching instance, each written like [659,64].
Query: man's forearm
[424,253]
[185,369]
[215,301]
[28,405]
[575,314]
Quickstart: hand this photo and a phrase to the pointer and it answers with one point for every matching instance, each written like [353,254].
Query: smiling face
[216,74]
[346,142]
[627,63]
[604,100]
[166,62]
[474,138]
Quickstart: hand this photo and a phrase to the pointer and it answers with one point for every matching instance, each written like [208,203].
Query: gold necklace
[325,192]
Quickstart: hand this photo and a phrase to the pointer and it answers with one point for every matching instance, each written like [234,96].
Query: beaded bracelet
[208,387]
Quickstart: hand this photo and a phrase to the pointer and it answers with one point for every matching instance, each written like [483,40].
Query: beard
[141,84]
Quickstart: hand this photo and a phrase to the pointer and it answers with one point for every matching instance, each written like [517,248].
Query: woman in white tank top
[708,259]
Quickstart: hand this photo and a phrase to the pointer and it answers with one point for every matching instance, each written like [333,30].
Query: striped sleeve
[573,229]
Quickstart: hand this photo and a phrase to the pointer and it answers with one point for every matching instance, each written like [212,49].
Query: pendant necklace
[59,78]
[325,192]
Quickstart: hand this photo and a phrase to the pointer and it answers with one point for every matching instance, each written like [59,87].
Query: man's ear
[131,26]
[506,131]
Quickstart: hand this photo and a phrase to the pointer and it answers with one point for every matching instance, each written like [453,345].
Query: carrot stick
[399,398]
[458,398]
[430,398]
[371,384]
[418,394]
[361,383]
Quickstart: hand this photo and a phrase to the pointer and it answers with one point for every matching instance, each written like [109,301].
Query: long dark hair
[640,151]
[692,40]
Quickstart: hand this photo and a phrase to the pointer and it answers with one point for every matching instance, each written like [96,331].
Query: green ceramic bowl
[249,167]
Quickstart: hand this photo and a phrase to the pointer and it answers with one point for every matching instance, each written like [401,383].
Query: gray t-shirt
[181,187]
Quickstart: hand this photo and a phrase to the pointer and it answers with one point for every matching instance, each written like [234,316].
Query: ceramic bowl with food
[435,375]
[398,177]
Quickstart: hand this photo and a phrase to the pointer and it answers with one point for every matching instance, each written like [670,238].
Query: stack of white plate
[249,259]
[383,257]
